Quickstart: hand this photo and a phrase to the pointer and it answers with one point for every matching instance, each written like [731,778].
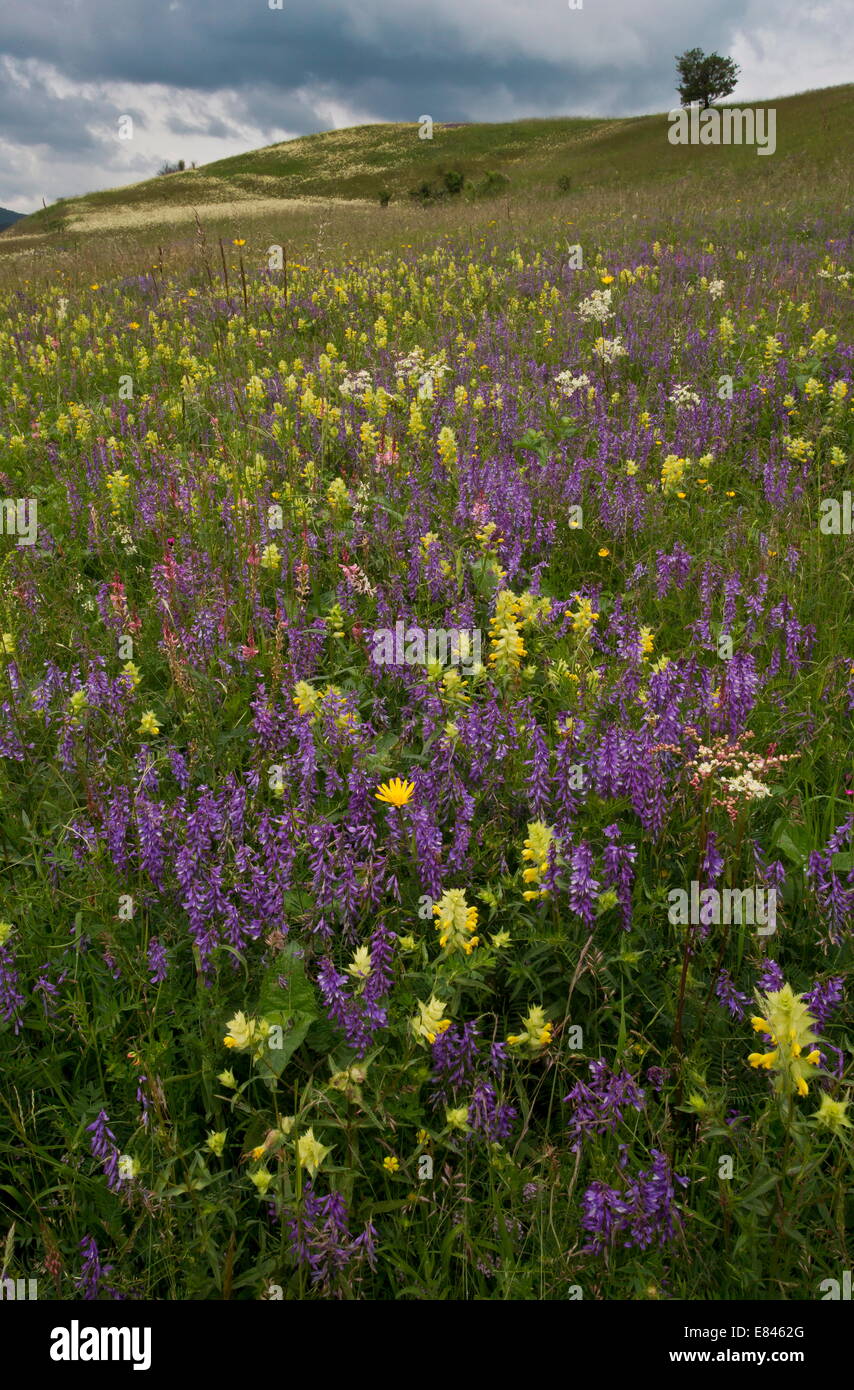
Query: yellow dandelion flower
[396,792]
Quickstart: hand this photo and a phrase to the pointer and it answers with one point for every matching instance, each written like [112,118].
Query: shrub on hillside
[491,185]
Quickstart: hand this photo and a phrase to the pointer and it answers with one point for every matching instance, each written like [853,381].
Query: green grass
[605,154]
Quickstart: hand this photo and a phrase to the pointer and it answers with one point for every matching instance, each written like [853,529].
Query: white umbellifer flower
[682,396]
[609,349]
[597,307]
[716,288]
[569,384]
[355,385]
[747,786]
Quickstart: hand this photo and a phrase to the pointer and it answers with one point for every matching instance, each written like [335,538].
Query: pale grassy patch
[240,203]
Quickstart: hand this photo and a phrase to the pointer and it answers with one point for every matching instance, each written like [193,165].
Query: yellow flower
[604,551]
[148,724]
[536,851]
[429,1021]
[258,1152]
[360,965]
[311,1152]
[787,1023]
[305,697]
[457,922]
[216,1141]
[6,929]
[262,1177]
[239,241]
[228,1079]
[242,1032]
[271,557]
[537,1034]
[458,1118]
[583,620]
[831,1114]
[396,792]
[391,1164]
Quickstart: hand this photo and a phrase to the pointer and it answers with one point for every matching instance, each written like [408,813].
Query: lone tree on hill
[705,77]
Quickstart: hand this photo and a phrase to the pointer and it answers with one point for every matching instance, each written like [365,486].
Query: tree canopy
[705,77]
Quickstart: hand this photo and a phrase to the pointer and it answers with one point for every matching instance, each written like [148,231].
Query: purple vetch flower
[48,990]
[618,866]
[598,1106]
[770,978]
[455,1056]
[320,1240]
[143,1100]
[538,781]
[486,1117]
[645,1211]
[11,998]
[835,898]
[657,1077]
[360,1014]
[93,1272]
[103,1146]
[713,860]
[158,963]
[583,887]
[731,998]
[824,999]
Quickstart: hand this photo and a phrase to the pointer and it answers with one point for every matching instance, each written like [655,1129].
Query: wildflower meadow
[425,736]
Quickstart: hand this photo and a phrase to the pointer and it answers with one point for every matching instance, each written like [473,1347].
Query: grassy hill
[355,165]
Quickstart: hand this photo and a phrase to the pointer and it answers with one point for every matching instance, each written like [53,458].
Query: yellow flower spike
[789,1025]
[310,1152]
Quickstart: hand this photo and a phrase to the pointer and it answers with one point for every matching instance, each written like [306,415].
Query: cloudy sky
[203,79]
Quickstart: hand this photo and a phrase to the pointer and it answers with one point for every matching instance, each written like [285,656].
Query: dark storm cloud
[224,75]
[387,50]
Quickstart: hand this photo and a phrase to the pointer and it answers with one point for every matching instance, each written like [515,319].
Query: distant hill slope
[813,131]
[7,217]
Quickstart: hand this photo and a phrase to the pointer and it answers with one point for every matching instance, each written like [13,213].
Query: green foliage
[705,77]
[492,185]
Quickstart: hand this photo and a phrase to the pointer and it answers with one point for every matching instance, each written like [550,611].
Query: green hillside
[813,131]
